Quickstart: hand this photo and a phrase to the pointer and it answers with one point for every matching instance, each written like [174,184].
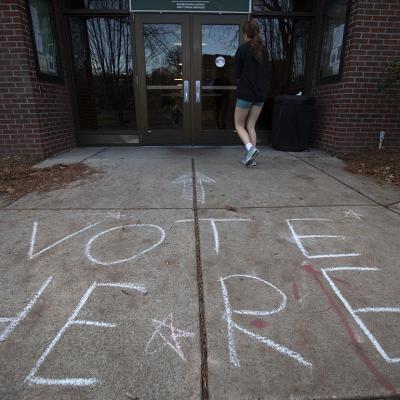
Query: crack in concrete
[202,318]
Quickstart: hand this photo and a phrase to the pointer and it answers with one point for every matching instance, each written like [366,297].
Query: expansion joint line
[202,318]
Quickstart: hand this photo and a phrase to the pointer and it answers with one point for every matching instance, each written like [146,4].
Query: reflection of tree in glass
[111,62]
[220,39]
[283,5]
[163,53]
[285,39]
[273,5]
[99,4]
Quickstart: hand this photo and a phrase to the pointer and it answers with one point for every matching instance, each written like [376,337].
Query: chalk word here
[299,239]
[354,312]
[32,378]
[232,325]
[15,321]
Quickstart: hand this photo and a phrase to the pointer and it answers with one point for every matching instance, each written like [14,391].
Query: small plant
[391,83]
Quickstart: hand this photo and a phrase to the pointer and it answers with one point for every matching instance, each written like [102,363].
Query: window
[98,4]
[46,53]
[283,5]
[333,35]
[287,41]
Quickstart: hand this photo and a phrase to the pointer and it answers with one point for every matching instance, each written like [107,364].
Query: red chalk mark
[259,323]
[296,291]
[383,381]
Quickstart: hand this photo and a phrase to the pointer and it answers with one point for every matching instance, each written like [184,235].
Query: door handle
[198,89]
[186,91]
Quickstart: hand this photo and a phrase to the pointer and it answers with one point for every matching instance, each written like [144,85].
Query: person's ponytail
[252,31]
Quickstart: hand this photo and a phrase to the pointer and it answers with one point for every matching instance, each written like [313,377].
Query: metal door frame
[215,136]
[162,136]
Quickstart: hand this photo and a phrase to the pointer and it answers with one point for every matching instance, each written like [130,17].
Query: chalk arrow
[187,189]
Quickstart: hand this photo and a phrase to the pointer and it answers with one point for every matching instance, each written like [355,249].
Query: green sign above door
[210,6]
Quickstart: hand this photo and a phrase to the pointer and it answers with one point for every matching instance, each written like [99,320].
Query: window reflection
[219,45]
[98,4]
[42,25]
[103,74]
[164,68]
[283,5]
[163,53]
[286,40]
[334,27]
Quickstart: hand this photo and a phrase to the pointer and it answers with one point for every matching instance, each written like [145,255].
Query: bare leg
[251,124]
[240,121]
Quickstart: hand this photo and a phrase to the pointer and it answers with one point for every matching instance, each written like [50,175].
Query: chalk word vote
[214,222]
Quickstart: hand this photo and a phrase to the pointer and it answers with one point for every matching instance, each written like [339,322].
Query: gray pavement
[291,288]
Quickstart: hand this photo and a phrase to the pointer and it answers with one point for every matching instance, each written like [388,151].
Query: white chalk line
[93,323]
[353,313]
[124,285]
[233,356]
[32,379]
[261,339]
[214,227]
[297,238]
[108,263]
[17,320]
[377,310]
[33,239]
[320,237]
[63,382]
[264,313]
[270,343]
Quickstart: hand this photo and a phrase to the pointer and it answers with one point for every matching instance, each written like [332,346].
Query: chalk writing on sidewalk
[354,312]
[187,186]
[300,239]
[167,335]
[32,378]
[232,325]
[15,321]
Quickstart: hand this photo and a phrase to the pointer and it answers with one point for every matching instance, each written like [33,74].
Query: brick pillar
[352,111]
[35,116]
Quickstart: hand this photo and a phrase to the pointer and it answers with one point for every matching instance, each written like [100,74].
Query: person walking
[251,73]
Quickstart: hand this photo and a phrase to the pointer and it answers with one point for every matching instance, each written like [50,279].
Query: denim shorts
[247,104]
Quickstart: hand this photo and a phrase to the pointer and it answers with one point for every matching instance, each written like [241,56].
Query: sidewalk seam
[5,208]
[202,319]
[94,154]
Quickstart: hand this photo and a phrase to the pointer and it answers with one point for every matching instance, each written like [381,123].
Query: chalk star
[115,215]
[172,340]
[351,213]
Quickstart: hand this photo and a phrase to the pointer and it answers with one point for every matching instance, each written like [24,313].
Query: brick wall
[351,112]
[35,116]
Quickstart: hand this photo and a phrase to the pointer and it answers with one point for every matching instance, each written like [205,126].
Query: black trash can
[292,122]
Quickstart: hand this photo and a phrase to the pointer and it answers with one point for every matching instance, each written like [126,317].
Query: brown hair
[252,31]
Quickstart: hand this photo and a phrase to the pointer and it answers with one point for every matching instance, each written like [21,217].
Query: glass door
[103,79]
[215,41]
[163,56]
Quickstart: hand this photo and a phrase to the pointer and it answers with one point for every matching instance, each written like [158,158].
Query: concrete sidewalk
[274,282]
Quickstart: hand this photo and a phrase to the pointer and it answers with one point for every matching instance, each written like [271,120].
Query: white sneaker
[250,156]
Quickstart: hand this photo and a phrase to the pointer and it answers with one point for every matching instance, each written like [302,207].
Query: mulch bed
[18,178]
[383,164]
